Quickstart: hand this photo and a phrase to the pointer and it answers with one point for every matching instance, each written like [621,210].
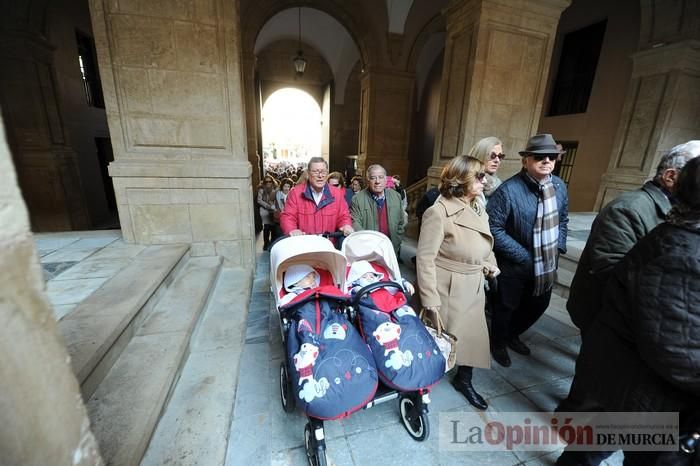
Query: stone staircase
[567,268]
[132,345]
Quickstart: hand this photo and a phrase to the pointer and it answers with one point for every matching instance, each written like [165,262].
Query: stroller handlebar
[374,286]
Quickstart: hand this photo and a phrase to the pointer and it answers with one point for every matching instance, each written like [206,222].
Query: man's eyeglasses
[541,157]
[318,172]
[481,176]
[495,156]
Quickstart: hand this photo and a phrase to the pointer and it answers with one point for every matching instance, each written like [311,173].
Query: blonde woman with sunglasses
[490,152]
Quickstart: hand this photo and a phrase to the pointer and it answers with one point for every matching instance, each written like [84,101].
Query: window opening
[87,61]
[577,67]
[565,165]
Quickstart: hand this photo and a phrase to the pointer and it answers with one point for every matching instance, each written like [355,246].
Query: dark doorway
[105,156]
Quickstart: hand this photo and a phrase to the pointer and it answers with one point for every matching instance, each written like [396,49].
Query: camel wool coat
[454,246]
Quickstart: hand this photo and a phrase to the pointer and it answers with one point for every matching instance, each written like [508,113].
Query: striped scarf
[545,238]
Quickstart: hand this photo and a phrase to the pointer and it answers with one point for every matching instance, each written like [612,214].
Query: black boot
[267,233]
[463,384]
[500,355]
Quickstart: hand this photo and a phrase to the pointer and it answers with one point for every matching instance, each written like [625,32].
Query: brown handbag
[446,342]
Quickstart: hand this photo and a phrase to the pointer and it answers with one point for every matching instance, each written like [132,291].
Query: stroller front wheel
[315,451]
[414,419]
[286,395]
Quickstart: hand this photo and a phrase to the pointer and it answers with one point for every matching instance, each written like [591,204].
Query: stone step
[126,406]
[195,424]
[99,328]
[563,283]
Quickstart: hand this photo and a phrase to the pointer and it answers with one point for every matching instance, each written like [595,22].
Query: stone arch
[434,26]
[259,13]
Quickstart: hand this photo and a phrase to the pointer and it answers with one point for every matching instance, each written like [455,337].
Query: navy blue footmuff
[331,368]
[406,355]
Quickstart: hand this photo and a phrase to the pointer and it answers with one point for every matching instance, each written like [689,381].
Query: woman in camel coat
[454,256]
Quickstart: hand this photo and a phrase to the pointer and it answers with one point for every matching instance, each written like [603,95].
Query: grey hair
[316,160]
[375,166]
[678,156]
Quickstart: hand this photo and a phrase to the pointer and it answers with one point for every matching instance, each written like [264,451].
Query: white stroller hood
[315,251]
[372,246]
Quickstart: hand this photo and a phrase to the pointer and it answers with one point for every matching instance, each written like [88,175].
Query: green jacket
[616,229]
[364,214]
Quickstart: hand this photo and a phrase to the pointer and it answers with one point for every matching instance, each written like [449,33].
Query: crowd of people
[310,200]
[635,295]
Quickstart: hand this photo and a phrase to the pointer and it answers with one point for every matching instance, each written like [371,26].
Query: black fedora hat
[541,144]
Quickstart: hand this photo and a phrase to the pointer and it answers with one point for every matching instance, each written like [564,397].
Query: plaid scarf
[545,238]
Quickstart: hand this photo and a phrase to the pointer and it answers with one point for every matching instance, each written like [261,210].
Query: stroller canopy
[372,246]
[315,251]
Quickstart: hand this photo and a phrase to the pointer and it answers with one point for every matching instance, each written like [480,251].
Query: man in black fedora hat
[528,215]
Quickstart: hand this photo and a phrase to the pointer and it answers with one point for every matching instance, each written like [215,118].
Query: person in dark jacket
[642,351]
[618,227]
[528,215]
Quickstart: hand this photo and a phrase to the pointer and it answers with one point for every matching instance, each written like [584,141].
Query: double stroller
[345,352]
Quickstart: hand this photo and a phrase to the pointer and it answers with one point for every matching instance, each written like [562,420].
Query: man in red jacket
[315,207]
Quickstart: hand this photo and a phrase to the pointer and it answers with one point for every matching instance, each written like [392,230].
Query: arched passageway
[292,128]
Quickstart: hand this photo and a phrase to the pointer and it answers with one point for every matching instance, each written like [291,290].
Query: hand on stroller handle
[345,230]
[326,234]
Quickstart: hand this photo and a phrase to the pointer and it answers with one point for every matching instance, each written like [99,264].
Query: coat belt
[458,267]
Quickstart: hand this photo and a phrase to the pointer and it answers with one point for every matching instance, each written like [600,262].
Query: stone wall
[83,123]
[33,55]
[171,73]
[497,58]
[43,416]
[594,129]
[661,103]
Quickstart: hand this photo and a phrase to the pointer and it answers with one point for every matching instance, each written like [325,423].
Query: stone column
[171,73]
[252,115]
[385,120]
[497,57]
[661,107]
[43,416]
[46,164]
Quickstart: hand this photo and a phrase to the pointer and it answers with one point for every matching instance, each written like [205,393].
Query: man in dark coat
[528,215]
[642,351]
[618,227]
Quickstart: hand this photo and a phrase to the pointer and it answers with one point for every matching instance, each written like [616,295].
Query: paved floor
[262,433]
[76,264]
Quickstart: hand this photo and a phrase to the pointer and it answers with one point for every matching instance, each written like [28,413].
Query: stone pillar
[386,101]
[46,165]
[497,57]
[661,107]
[43,417]
[171,73]
[252,115]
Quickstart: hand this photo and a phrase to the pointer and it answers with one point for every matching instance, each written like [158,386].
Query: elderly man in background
[378,208]
[314,207]
[618,227]
[528,215]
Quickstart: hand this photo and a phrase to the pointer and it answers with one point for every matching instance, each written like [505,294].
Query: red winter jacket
[301,213]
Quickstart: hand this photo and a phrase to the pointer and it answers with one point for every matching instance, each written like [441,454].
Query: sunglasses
[495,156]
[541,157]
[481,176]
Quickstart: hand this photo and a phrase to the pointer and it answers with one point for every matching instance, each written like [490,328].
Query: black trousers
[515,310]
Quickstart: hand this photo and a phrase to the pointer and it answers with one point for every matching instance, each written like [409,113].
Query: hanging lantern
[299,61]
